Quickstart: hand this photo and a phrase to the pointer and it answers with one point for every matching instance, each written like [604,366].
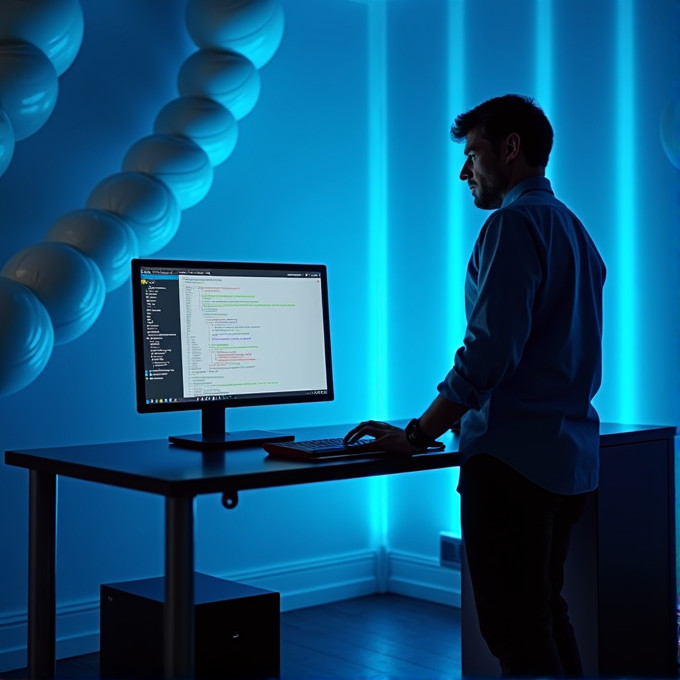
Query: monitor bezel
[138,330]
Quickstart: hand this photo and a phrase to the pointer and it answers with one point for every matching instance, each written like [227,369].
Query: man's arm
[441,416]
[510,273]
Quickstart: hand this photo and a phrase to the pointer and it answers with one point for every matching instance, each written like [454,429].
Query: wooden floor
[377,637]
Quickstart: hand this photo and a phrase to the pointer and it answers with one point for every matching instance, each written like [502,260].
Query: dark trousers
[516,538]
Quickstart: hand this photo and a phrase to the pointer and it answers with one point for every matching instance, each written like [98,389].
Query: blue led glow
[379,489]
[544,55]
[378,210]
[545,67]
[457,256]
[626,211]
[456,194]
[378,245]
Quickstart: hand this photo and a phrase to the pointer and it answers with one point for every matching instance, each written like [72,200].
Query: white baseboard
[77,633]
[302,584]
[315,582]
[423,578]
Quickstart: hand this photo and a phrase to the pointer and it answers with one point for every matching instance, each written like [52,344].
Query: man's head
[507,139]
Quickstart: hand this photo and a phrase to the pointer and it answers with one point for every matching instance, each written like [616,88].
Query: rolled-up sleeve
[509,274]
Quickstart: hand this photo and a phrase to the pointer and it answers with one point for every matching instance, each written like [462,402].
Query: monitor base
[229,440]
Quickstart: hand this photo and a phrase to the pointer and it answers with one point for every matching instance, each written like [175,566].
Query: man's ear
[513,144]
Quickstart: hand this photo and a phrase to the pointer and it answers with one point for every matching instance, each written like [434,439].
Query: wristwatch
[417,437]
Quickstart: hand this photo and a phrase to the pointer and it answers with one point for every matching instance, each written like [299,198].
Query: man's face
[484,172]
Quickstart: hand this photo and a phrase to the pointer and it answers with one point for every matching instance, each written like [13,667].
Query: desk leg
[179,588]
[42,610]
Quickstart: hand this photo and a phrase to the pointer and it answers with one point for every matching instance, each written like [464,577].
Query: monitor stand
[214,437]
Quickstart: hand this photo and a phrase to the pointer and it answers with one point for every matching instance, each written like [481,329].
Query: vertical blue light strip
[544,55]
[377,257]
[626,211]
[545,64]
[456,193]
[377,198]
[457,258]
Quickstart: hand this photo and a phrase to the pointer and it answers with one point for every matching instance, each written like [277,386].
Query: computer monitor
[212,335]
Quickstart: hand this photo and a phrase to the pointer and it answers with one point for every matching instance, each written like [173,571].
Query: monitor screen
[224,334]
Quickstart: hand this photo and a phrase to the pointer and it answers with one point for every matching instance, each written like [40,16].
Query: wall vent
[451,551]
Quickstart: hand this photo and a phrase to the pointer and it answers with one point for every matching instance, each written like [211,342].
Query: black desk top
[159,467]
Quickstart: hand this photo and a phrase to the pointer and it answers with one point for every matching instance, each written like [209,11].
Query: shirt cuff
[459,391]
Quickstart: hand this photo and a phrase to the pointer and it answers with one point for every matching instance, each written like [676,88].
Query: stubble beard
[489,192]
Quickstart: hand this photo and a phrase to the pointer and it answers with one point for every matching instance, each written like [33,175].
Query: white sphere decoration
[204,121]
[55,26]
[144,202]
[67,282]
[253,28]
[26,336]
[53,292]
[227,77]
[669,129]
[177,161]
[6,142]
[28,87]
[104,237]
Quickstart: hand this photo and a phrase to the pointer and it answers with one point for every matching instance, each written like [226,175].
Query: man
[521,385]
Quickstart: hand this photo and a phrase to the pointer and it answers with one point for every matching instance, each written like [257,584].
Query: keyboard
[323,449]
[320,449]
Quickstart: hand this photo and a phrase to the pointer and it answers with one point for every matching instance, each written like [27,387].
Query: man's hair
[499,117]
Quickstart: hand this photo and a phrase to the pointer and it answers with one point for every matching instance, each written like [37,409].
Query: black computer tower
[236,628]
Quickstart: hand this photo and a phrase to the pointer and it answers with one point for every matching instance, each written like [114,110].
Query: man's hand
[387,437]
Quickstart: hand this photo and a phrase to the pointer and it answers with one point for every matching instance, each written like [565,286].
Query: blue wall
[574,70]
[302,186]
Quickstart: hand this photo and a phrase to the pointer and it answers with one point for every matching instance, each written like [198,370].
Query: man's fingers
[380,443]
[373,428]
[372,446]
[362,430]
[352,433]
[358,431]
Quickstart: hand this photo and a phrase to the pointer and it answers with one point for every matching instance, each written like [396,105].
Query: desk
[181,474]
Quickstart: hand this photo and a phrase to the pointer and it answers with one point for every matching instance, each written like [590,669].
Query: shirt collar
[537,183]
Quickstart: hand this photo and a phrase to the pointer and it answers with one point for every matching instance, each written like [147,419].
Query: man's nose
[465,172]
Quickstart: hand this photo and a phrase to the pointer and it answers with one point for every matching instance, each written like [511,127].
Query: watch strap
[417,438]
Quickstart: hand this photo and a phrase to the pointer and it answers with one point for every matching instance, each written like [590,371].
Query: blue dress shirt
[531,360]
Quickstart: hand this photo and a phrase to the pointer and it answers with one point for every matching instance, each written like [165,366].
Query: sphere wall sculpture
[53,26]
[39,40]
[227,77]
[204,121]
[28,87]
[26,336]
[51,293]
[6,142]
[177,161]
[253,29]
[669,129]
[144,203]
[104,237]
[67,282]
